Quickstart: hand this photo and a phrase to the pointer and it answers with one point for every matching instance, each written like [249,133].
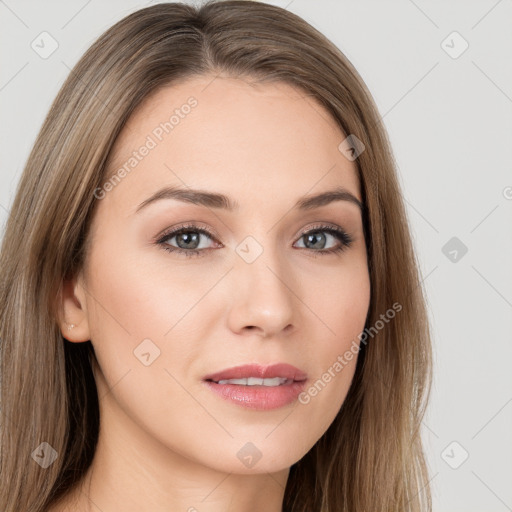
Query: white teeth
[234,381]
[255,381]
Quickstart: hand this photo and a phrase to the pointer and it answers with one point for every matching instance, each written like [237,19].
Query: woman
[275,355]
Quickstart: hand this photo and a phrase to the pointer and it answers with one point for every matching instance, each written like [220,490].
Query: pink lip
[259,397]
[286,371]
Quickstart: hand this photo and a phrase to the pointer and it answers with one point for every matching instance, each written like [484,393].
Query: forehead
[232,135]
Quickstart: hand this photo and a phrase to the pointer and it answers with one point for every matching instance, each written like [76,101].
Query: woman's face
[260,284]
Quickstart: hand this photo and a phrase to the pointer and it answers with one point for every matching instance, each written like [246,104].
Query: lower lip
[262,398]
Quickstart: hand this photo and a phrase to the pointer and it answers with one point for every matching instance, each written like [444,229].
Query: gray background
[449,120]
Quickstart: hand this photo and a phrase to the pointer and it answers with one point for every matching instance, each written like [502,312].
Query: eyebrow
[215,200]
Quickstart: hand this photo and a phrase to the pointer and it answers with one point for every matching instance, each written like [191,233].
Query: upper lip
[245,371]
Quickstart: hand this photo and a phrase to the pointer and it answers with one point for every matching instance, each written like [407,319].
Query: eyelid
[320,226]
[344,237]
[188,226]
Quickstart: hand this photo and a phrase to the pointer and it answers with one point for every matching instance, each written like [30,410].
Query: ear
[72,310]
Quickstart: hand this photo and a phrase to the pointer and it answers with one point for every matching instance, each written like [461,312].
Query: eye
[317,238]
[190,241]
[187,239]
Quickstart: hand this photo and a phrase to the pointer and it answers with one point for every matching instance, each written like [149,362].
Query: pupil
[188,239]
[316,240]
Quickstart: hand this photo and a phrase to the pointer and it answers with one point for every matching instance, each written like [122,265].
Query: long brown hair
[371,457]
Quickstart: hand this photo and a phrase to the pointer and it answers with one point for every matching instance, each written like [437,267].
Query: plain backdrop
[441,75]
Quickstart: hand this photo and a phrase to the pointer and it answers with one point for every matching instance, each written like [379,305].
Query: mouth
[255,381]
[258,387]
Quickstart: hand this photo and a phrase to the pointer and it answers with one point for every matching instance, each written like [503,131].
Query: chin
[259,456]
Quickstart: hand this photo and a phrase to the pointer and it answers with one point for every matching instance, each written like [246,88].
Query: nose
[263,298]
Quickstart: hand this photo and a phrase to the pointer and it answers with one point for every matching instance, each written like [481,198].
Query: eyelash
[345,239]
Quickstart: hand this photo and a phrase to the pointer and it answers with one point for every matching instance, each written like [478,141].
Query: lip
[258,397]
[283,370]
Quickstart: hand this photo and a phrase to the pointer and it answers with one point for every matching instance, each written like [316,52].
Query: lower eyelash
[345,239]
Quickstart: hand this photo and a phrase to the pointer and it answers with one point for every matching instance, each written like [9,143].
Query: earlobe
[72,311]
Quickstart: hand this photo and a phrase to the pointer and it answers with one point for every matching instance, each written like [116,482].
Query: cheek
[144,309]
[340,300]
[138,299]
[342,309]
[145,332]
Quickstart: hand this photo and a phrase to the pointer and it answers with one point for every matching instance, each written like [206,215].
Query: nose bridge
[263,297]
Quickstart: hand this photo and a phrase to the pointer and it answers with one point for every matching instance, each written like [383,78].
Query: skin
[166,441]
